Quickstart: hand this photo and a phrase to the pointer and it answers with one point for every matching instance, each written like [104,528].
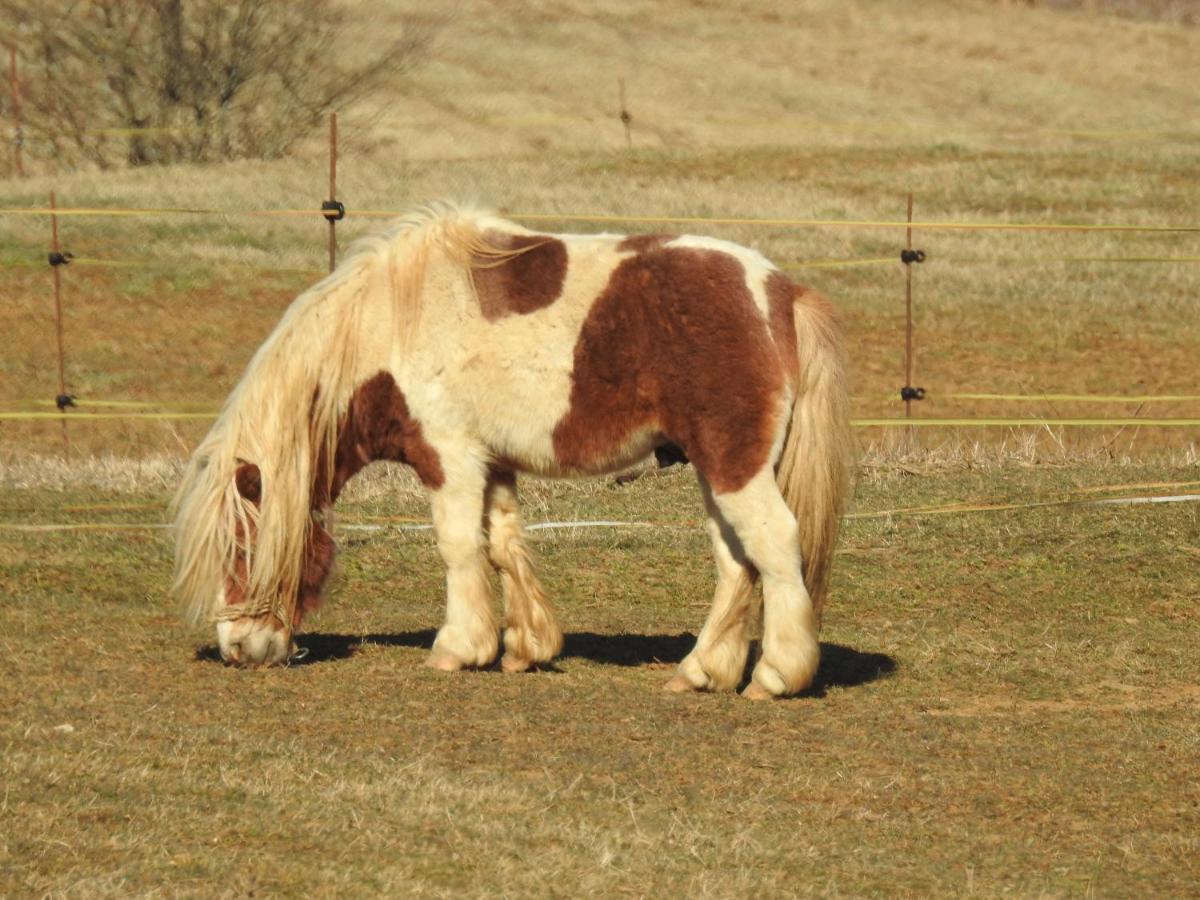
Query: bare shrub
[164,81]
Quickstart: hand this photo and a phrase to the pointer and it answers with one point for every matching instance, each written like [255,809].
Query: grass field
[1008,701]
[1007,704]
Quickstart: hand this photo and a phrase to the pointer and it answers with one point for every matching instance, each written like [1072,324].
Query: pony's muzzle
[253,642]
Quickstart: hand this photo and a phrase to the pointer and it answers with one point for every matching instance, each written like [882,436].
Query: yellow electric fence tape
[134,404]
[1003,507]
[656,220]
[949,509]
[161,263]
[889,422]
[1034,260]
[67,414]
[1073,398]
[841,263]
[1115,422]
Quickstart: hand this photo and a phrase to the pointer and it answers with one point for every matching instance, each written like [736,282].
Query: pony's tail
[814,468]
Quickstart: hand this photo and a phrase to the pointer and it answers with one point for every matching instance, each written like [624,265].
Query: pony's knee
[460,544]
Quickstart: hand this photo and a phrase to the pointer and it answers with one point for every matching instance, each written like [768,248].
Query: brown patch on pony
[782,293]
[523,283]
[318,563]
[247,478]
[378,425]
[641,243]
[675,344]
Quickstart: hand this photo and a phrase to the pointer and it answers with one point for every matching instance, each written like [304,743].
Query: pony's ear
[249,482]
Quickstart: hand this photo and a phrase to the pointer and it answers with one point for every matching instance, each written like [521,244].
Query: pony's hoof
[443,661]
[755,691]
[514,664]
[680,685]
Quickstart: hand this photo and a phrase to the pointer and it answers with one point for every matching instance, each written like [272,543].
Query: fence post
[14,87]
[626,115]
[333,190]
[57,260]
[908,321]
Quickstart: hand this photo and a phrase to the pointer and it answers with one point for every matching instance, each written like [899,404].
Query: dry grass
[795,110]
[991,716]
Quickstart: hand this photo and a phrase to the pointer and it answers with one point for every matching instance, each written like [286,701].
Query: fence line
[334,211]
[407,523]
[201,409]
[1076,398]
[1039,422]
[883,422]
[796,265]
[632,218]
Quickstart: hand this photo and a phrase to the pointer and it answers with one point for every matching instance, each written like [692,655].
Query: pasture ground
[1007,704]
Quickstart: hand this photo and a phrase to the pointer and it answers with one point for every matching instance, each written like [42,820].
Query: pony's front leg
[531,631]
[719,657]
[469,636]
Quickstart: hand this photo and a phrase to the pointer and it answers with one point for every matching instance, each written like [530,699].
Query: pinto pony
[473,349]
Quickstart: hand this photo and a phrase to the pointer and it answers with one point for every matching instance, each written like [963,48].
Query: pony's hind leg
[768,531]
[531,632]
[469,636]
[719,657]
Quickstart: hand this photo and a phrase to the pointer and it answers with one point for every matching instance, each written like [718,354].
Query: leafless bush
[163,81]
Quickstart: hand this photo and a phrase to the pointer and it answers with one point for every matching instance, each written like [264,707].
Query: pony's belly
[543,459]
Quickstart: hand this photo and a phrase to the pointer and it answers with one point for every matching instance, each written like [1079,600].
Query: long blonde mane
[283,416]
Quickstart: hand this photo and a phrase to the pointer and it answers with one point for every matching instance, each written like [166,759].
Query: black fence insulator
[912,393]
[333,210]
[912,256]
[60,259]
[62,401]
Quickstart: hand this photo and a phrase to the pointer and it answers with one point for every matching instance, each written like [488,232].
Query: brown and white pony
[472,349]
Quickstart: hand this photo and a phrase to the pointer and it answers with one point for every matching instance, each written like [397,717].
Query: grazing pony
[472,349]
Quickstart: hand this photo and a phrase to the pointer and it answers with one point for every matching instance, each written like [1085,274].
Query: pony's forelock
[283,416]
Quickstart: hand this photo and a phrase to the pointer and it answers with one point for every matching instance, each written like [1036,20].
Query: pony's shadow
[841,666]
[316,647]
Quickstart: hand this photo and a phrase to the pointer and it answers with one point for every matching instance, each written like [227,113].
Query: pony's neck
[377,425]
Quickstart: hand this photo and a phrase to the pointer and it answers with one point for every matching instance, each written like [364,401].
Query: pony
[475,350]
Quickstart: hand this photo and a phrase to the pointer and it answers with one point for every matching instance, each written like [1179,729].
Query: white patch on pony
[504,383]
[757,267]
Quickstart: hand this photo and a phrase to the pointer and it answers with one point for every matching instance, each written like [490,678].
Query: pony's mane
[284,414]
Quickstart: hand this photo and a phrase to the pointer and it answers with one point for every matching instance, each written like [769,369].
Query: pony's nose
[251,643]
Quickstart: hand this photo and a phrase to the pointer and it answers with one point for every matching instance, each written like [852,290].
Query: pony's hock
[473,350]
